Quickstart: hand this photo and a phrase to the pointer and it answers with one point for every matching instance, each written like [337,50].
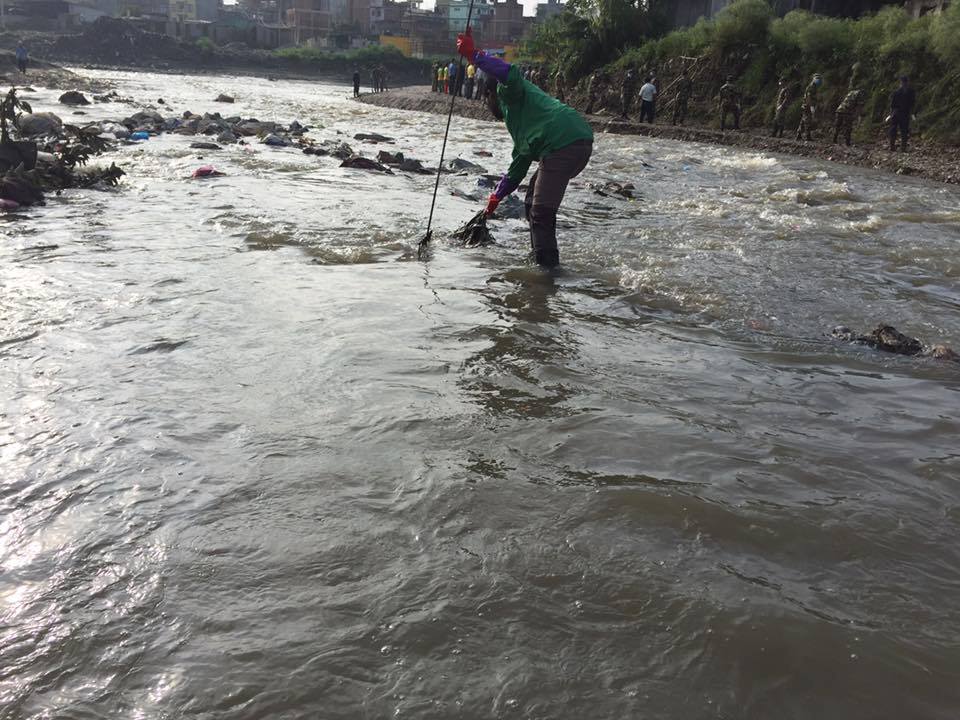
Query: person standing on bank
[542,129]
[648,99]
[468,88]
[21,54]
[627,90]
[901,110]
[682,99]
[356,83]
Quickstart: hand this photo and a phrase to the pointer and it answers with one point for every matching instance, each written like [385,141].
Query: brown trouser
[549,183]
[545,193]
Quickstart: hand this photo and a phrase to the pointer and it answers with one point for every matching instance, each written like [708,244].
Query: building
[360,16]
[386,17]
[507,24]
[548,9]
[457,11]
[314,20]
[427,31]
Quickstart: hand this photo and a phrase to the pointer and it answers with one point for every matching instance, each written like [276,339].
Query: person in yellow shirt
[446,79]
[468,88]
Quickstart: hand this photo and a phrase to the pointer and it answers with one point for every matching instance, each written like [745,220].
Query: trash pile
[51,161]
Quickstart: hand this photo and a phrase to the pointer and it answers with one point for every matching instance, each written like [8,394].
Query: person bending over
[542,129]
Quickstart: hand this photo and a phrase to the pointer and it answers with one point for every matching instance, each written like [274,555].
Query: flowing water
[259,463]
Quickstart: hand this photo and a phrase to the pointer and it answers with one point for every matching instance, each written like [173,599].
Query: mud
[925,160]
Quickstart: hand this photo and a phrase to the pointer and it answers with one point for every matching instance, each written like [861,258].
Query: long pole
[421,249]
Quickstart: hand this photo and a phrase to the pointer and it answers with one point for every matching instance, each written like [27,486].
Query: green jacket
[538,123]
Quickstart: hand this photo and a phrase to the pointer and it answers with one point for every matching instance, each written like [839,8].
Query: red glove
[465,44]
[492,203]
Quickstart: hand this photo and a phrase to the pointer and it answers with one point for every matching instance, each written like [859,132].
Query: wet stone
[361,163]
[73,97]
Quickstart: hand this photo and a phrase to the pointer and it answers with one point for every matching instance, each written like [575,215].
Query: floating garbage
[206,171]
[140,135]
[475,233]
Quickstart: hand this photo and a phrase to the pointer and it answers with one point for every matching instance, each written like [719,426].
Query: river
[258,462]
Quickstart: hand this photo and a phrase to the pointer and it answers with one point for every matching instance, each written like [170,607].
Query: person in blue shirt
[21,54]
[452,77]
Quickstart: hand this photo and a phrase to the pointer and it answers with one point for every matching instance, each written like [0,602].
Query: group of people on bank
[729,104]
[451,78]
[378,80]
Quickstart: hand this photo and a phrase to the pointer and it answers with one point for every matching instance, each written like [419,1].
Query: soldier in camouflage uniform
[593,90]
[684,90]
[729,102]
[559,83]
[808,108]
[627,91]
[780,112]
[847,112]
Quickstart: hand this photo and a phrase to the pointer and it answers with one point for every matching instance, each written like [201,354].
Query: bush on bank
[747,41]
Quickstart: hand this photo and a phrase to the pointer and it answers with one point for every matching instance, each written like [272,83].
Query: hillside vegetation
[747,41]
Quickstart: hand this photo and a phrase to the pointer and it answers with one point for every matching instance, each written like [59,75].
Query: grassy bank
[747,41]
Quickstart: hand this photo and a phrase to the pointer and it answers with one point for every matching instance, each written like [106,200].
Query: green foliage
[747,41]
[946,35]
[206,44]
[741,25]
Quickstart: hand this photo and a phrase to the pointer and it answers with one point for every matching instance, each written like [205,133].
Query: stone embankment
[929,161]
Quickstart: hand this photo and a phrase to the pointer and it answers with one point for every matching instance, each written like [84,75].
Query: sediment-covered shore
[925,160]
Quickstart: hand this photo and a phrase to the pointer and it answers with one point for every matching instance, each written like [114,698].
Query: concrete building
[507,24]
[457,11]
[386,17]
[548,9]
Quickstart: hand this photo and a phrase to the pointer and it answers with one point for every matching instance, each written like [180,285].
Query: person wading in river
[543,129]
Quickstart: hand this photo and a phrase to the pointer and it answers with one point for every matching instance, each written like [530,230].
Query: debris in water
[206,171]
[475,233]
[888,339]
[624,190]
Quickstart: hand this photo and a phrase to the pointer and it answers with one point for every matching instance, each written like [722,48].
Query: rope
[422,247]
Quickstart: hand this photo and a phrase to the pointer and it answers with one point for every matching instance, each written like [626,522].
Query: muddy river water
[259,463]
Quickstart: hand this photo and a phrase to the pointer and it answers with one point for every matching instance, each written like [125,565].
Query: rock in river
[461,165]
[205,146]
[389,158]
[224,98]
[362,163]
[73,97]
[373,138]
[43,123]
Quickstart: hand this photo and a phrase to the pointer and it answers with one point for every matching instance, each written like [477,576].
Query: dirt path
[925,160]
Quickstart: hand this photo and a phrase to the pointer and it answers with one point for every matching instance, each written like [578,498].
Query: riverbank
[43,74]
[925,160]
[115,44]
